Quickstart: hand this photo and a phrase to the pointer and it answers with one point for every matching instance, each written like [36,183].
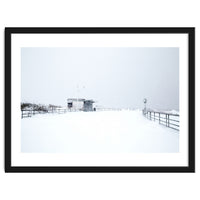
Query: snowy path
[96,132]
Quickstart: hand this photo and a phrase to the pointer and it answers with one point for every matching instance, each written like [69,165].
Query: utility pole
[145,102]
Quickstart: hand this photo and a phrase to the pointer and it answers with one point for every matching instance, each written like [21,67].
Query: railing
[30,113]
[168,119]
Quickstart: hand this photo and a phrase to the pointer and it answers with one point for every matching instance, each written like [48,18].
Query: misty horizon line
[101,106]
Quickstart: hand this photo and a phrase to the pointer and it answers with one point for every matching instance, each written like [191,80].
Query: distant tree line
[38,107]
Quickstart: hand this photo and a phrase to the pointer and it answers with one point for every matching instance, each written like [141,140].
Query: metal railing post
[166,119]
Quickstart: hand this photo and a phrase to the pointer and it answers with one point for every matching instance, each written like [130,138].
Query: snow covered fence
[30,113]
[168,119]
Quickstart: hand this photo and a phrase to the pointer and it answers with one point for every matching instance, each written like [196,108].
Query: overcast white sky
[113,77]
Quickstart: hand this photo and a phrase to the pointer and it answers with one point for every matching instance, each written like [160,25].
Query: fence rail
[167,119]
[30,113]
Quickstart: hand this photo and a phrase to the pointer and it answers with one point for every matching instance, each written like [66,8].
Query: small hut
[80,104]
[88,105]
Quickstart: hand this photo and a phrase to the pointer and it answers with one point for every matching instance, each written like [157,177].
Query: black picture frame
[190,31]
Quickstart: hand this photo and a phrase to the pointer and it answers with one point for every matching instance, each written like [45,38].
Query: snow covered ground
[96,132]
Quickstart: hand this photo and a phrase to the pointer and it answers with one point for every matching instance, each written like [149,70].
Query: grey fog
[115,77]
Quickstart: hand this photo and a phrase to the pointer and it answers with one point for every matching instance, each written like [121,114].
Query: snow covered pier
[96,132]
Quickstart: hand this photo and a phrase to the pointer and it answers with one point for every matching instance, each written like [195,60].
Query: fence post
[159,118]
[154,116]
[168,120]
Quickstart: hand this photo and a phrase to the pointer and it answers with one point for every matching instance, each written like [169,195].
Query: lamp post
[145,109]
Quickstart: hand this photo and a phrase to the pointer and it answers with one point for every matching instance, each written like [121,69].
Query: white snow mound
[96,132]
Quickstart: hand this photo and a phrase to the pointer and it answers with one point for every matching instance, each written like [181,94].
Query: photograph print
[104,102]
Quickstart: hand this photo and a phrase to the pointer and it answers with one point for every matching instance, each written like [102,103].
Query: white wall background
[88,13]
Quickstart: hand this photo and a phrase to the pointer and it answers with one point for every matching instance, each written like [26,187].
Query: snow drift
[96,132]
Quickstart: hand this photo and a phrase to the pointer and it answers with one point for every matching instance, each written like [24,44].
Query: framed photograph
[100,99]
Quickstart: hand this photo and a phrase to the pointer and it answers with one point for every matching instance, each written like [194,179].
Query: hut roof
[75,99]
[81,100]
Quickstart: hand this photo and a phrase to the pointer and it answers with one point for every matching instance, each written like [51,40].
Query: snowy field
[96,132]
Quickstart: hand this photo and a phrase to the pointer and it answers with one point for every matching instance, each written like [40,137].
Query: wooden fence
[167,119]
[30,113]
